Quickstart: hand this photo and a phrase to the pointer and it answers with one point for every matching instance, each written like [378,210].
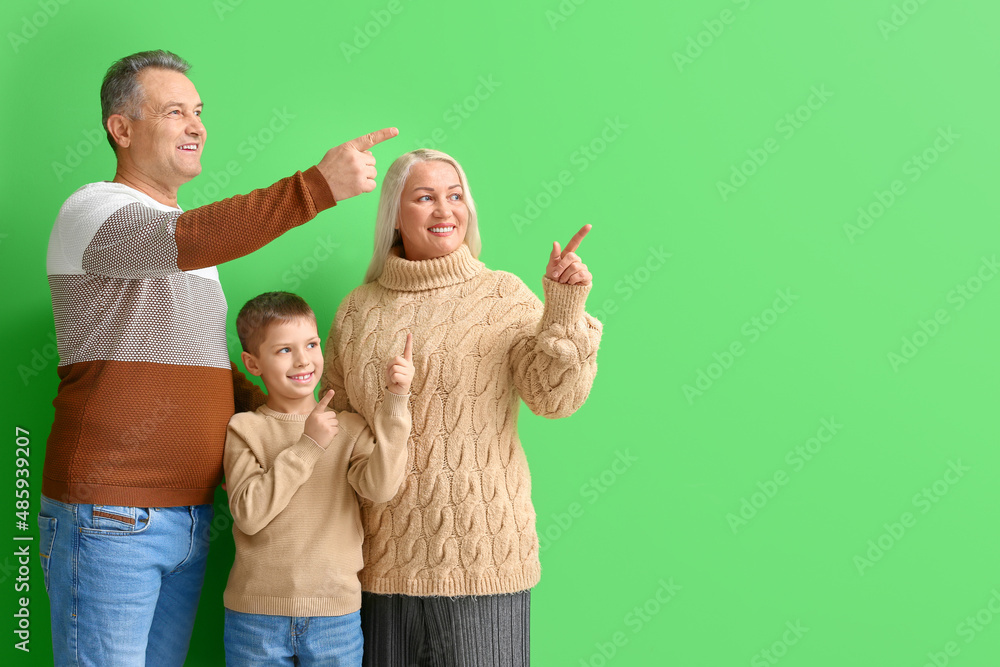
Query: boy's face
[290,362]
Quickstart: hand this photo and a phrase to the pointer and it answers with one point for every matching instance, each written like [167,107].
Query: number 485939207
[22,490]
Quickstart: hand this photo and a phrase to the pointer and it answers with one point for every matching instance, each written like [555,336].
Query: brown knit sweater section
[146,385]
[462,522]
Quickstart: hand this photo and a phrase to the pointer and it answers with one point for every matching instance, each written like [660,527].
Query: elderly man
[146,385]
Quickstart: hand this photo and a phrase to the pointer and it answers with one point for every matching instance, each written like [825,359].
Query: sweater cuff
[308,449]
[319,189]
[398,405]
[564,304]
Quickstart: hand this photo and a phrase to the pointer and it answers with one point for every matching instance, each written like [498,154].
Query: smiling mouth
[442,230]
[188,147]
[304,377]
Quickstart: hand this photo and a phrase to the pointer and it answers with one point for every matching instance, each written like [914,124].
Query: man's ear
[120,129]
[250,362]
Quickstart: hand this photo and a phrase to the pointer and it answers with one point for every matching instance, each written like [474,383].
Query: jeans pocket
[116,519]
[46,538]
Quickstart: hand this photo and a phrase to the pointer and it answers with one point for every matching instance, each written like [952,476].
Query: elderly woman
[450,561]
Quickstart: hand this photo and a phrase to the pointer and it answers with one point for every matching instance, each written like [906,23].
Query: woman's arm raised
[554,354]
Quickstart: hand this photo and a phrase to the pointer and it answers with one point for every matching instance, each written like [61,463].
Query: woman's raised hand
[566,266]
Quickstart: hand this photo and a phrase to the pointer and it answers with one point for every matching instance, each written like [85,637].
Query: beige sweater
[296,524]
[462,522]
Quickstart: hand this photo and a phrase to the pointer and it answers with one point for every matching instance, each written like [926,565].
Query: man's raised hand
[399,371]
[350,167]
[321,424]
[565,266]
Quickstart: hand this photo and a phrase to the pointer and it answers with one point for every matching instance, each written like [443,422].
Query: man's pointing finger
[365,142]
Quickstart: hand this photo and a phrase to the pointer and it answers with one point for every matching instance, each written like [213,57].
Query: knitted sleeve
[137,242]
[256,494]
[554,354]
[237,226]
[378,460]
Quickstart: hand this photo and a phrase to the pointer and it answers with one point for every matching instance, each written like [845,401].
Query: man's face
[166,144]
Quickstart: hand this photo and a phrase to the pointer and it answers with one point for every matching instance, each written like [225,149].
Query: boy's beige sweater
[295,506]
[462,522]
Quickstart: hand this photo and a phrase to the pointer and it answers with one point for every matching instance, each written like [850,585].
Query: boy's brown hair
[261,311]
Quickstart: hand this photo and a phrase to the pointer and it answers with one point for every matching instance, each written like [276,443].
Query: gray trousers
[464,631]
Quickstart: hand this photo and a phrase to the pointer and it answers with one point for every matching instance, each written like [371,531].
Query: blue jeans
[259,640]
[123,582]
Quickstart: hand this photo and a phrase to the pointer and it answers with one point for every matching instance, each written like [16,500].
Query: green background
[685,95]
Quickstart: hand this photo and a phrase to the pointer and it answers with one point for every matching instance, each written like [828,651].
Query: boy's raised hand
[321,424]
[399,371]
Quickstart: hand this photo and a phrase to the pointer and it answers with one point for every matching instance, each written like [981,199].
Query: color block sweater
[296,523]
[146,386]
[462,522]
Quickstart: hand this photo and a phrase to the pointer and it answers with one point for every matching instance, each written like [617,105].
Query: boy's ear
[250,362]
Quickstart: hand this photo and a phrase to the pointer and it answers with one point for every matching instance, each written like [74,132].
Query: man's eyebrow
[167,105]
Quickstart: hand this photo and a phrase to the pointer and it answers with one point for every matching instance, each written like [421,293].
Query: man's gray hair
[121,92]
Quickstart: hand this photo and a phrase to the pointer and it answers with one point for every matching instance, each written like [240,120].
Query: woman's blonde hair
[386,234]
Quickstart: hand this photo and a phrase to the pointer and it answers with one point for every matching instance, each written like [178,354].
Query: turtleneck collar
[414,276]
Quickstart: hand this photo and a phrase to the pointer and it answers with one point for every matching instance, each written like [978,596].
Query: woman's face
[432,211]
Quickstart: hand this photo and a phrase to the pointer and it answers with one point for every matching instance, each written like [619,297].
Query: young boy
[292,470]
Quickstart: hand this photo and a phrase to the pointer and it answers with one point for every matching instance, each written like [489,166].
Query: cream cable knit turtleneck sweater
[462,522]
